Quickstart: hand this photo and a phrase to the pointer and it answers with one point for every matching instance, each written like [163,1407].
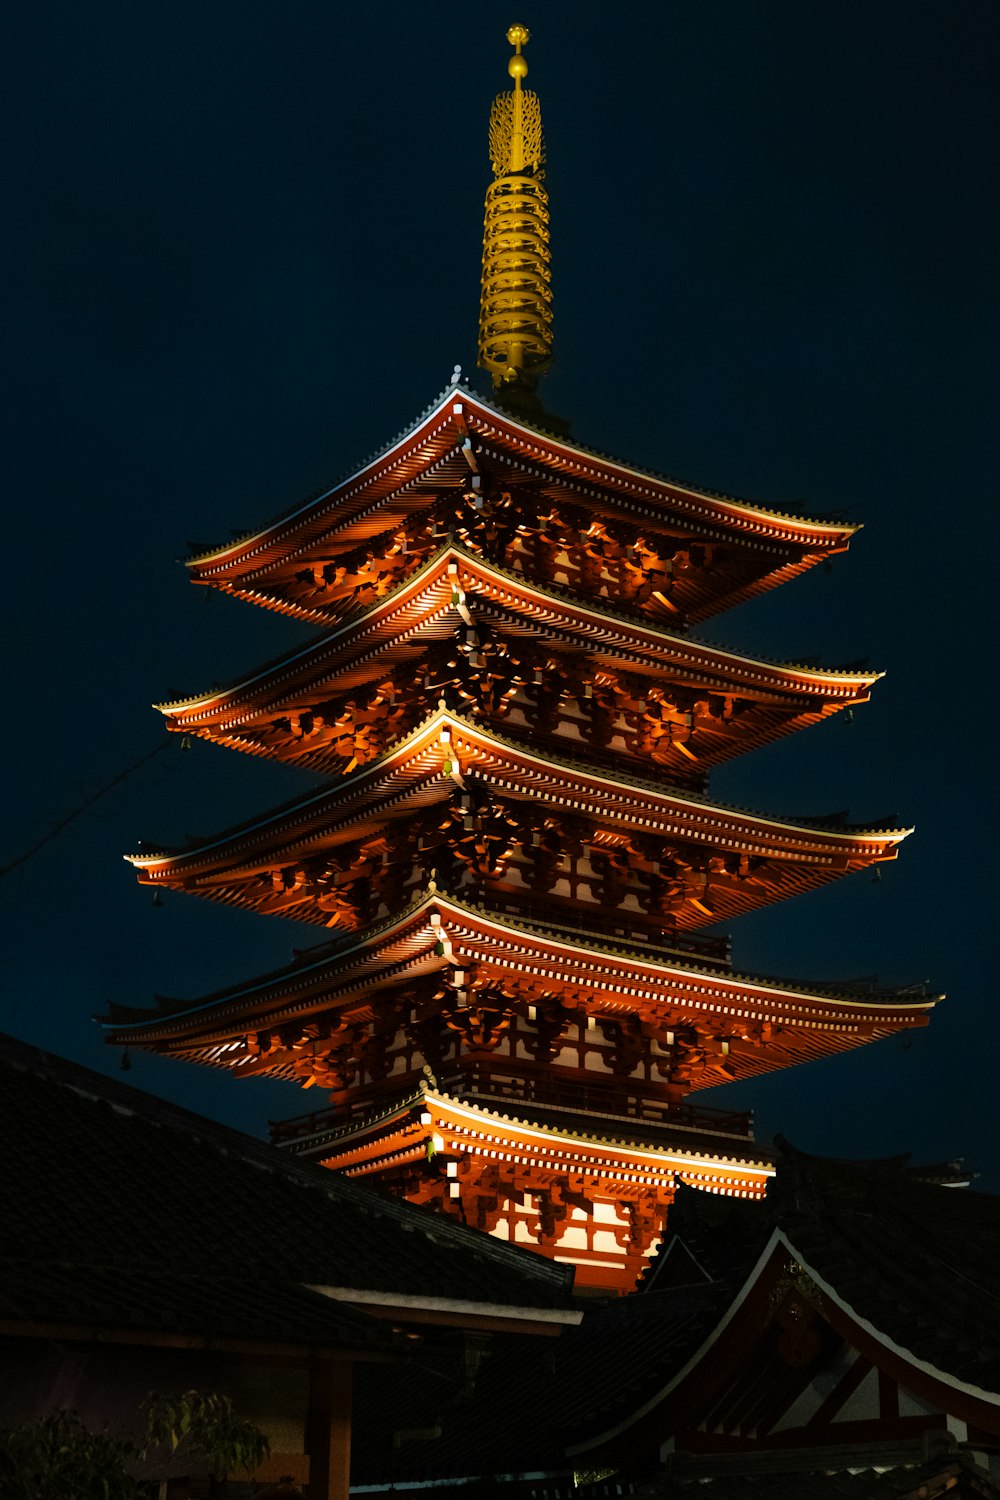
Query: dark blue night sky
[242,252]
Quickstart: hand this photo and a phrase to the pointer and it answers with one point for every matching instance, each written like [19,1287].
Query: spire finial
[515,319]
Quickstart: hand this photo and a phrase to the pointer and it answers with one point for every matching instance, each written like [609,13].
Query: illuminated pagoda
[514,849]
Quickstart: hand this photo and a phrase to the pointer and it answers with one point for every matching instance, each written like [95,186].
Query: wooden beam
[330,1392]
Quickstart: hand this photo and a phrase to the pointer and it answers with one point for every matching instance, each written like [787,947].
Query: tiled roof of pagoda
[434,602]
[671,1140]
[789,1022]
[446,728]
[462,431]
[448,751]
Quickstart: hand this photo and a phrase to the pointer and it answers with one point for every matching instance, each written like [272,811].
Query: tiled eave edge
[402,1303]
[637,488]
[634,635]
[430,1095]
[234,1006]
[258,836]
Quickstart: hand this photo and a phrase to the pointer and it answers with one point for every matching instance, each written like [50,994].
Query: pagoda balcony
[621,1099]
[709,950]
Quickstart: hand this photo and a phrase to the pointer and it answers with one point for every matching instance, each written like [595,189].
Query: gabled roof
[920,1269]
[904,1273]
[123,1210]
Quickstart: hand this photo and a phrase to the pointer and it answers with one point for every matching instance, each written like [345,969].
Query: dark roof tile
[109,1179]
[918,1260]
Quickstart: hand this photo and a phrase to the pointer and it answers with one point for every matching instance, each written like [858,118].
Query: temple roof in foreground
[923,1272]
[904,1271]
[912,1263]
[257,1229]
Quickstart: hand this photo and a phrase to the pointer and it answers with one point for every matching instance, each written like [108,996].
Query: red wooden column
[330,1390]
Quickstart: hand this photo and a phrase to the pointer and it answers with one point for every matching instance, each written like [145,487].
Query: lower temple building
[841,1337]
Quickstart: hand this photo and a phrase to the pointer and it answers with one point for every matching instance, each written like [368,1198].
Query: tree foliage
[204,1424]
[57,1458]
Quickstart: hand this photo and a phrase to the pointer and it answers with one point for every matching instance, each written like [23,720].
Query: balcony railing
[612,925]
[621,1098]
[606,1096]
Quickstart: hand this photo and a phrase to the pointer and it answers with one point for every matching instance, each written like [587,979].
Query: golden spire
[515,313]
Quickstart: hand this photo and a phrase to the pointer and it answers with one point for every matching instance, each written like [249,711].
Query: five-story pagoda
[514,849]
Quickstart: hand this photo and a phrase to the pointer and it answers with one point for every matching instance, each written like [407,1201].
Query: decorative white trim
[992,1398]
[363,1297]
[684,1371]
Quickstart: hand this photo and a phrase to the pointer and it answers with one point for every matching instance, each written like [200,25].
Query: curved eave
[405,944]
[743,1315]
[935,1372]
[447,736]
[448,1110]
[598,630]
[630,482]
[450,420]
[381,474]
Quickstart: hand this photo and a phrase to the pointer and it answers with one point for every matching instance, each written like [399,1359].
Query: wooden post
[330,1389]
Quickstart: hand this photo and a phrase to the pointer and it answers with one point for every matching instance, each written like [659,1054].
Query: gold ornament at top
[516,118]
[515,320]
